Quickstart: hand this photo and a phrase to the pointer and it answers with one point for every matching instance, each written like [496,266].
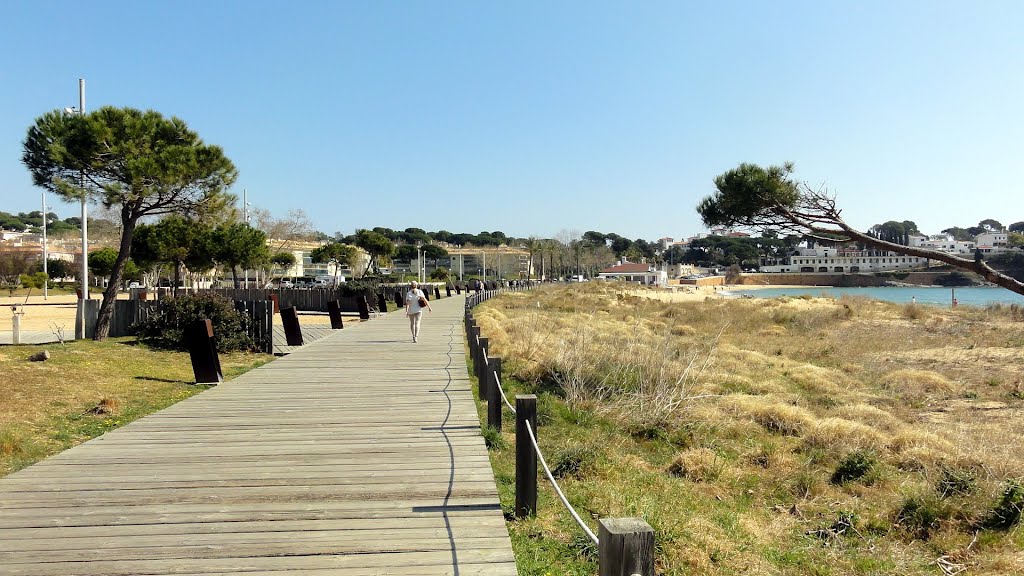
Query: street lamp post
[419,263]
[80,323]
[245,218]
[45,269]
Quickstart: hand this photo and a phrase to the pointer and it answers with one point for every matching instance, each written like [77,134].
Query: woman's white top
[412,300]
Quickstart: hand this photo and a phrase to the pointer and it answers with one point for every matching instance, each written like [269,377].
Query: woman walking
[415,302]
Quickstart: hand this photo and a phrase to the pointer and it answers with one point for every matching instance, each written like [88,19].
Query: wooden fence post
[493,394]
[277,303]
[382,303]
[526,457]
[292,330]
[481,370]
[364,307]
[448,290]
[334,310]
[399,299]
[474,343]
[203,352]
[626,547]
[437,293]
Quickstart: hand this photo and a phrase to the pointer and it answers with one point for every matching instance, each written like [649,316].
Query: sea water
[965,296]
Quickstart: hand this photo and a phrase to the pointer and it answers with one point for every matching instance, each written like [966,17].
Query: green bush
[856,465]
[573,460]
[955,482]
[166,328]
[1006,513]
[920,515]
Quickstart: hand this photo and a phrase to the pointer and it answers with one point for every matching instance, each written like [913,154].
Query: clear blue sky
[533,117]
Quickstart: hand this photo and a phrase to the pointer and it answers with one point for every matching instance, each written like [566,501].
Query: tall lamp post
[245,218]
[80,324]
[45,256]
[419,263]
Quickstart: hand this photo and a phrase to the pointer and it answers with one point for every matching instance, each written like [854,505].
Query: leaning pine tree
[769,200]
[136,162]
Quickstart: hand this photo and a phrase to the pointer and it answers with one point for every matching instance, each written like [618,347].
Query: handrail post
[526,458]
[493,394]
[474,343]
[481,370]
[626,547]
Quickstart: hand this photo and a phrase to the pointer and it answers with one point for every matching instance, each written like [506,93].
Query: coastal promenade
[358,454]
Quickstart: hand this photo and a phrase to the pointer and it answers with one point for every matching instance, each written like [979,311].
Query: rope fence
[625,545]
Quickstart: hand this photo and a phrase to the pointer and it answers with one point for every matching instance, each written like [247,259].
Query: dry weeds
[755,402]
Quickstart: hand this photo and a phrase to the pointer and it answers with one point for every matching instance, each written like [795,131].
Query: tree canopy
[769,200]
[136,162]
[236,244]
[336,253]
[377,245]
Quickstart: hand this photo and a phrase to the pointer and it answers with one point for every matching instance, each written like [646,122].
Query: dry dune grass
[726,420]
[917,384]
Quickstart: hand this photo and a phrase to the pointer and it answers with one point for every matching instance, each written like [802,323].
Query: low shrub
[493,439]
[166,328]
[574,460]
[697,464]
[920,515]
[856,465]
[914,311]
[955,482]
[1006,513]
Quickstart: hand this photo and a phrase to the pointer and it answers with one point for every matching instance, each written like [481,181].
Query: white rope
[533,440]
[503,397]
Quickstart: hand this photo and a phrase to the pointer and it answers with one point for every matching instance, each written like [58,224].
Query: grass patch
[88,388]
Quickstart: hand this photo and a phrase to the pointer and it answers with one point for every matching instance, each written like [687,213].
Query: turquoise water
[968,296]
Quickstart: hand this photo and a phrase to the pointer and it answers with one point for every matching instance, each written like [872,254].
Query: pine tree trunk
[110,294]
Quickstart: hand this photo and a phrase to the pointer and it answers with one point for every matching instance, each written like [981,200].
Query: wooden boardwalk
[358,454]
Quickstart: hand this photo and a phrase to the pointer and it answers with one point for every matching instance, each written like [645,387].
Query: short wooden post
[526,457]
[437,293]
[277,302]
[292,330]
[448,290]
[626,547]
[399,299]
[481,370]
[493,394]
[334,311]
[382,302]
[458,288]
[364,307]
[203,352]
[16,320]
[474,343]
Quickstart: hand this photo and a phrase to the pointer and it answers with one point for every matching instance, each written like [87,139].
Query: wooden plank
[358,454]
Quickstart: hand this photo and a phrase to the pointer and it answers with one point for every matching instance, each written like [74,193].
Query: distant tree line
[33,222]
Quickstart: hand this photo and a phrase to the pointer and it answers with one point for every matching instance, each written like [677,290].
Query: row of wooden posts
[625,545]
[203,352]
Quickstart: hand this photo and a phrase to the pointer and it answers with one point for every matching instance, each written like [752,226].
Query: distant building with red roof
[639,273]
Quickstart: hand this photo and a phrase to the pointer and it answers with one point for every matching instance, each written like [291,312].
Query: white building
[992,241]
[943,243]
[843,261]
